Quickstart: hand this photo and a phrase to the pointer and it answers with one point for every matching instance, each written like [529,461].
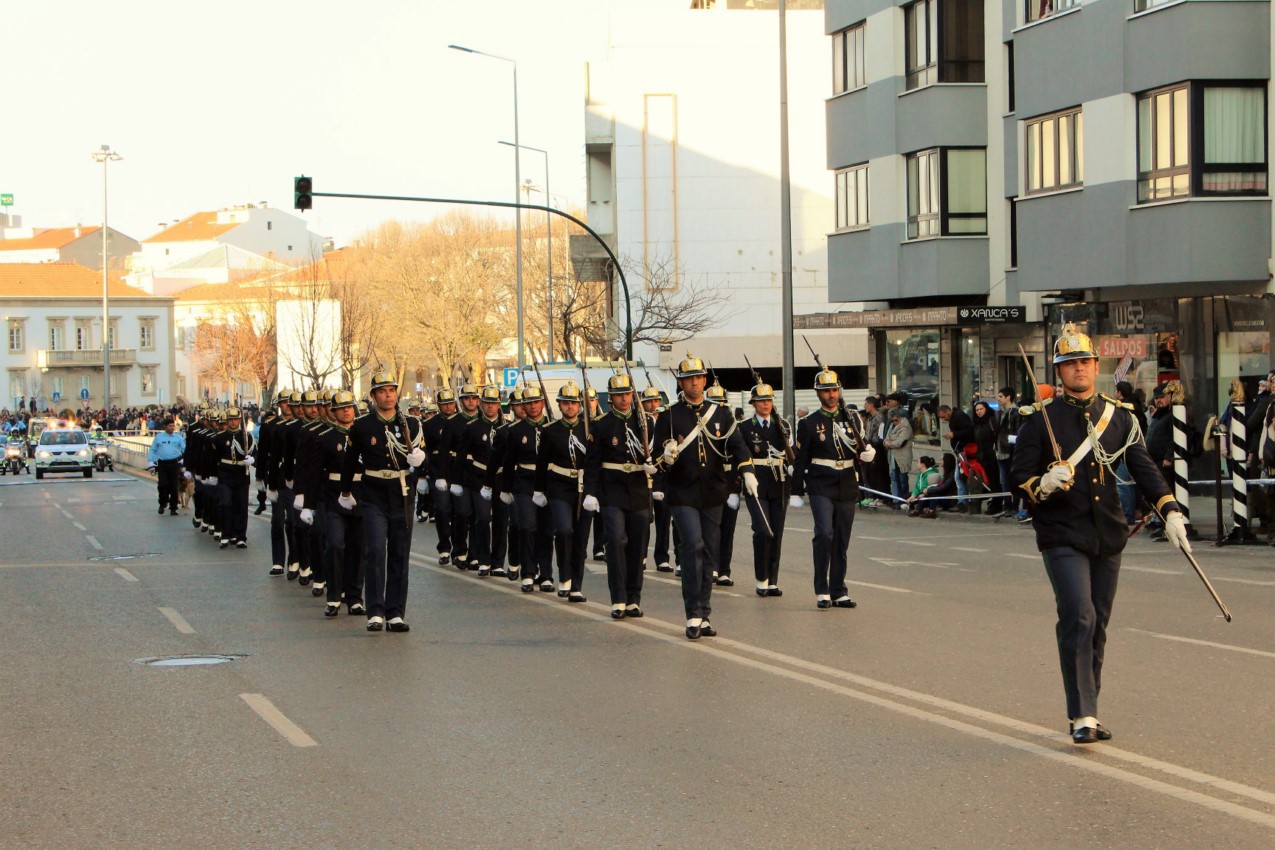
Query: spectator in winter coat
[960,431]
[898,440]
[985,439]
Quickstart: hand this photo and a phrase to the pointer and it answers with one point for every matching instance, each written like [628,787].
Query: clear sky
[213,104]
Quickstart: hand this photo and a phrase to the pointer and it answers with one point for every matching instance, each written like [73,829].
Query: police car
[63,448]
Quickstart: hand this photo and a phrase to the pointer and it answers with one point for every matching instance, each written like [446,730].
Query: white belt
[385,473]
[847,463]
[232,462]
[530,467]
[478,465]
[565,470]
[624,467]
[336,476]
[766,461]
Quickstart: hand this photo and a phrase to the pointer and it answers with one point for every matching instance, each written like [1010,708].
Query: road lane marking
[125,574]
[914,542]
[1245,581]
[93,541]
[885,587]
[1212,644]
[80,527]
[178,621]
[965,549]
[1154,570]
[1060,751]
[266,710]
[1017,555]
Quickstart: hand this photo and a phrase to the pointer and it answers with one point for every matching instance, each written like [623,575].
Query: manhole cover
[123,557]
[186,660]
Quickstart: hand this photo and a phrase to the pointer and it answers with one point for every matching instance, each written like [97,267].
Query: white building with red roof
[78,244]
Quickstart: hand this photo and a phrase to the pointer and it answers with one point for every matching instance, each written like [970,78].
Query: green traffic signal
[301,193]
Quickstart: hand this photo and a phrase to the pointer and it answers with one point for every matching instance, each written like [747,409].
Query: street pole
[785,218]
[517,196]
[104,156]
[549,227]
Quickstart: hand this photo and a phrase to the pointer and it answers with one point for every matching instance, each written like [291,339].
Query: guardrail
[131,450]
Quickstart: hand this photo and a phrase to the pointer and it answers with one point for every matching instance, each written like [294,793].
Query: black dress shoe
[633,611]
[617,613]
[292,575]
[576,596]
[762,591]
[276,571]
[706,629]
[663,568]
[1100,733]
[304,580]
[241,544]
[823,603]
[1085,735]
[375,624]
[692,632]
[725,581]
[318,591]
[172,512]
[774,591]
[332,610]
[599,555]
[846,602]
[397,625]
[161,510]
[355,608]
[546,585]
[444,560]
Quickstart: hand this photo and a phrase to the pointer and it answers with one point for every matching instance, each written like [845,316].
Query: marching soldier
[298,439]
[730,512]
[435,446]
[267,466]
[618,476]
[698,440]
[235,452]
[1065,460]
[386,448]
[310,509]
[767,438]
[653,406]
[532,521]
[504,537]
[564,444]
[829,448]
[210,469]
[343,527]
[598,527]
[425,495]
[282,453]
[474,459]
[454,472]
[196,436]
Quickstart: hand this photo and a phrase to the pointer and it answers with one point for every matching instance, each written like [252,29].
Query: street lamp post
[104,156]
[522,361]
[549,229]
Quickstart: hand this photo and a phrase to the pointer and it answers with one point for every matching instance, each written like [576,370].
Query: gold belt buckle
[628,467]
[841,464]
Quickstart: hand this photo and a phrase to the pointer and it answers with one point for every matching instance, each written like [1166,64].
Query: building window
[57,337]
[17,337]
[848,70]
[947,192]
[148,380]
[17,387]
[146,335]
[83,336]
[1055,148]
[111,334]
[1143,5]
[1201,139]
[943,42]
[84,383]
[852,197]
[1035,10]
[269,225]
[57,387]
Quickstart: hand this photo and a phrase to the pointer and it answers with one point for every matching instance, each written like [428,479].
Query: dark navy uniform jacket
[772,476]
[372,450]
[563,446]
[820,438]
[1088,516]
[698,478]
[518,464]
[617,441]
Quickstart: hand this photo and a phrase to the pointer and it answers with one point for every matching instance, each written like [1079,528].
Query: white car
[63,450]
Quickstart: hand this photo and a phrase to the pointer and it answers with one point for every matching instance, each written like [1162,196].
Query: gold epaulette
[1126,405]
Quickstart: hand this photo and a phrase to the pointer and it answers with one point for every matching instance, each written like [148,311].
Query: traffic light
[301,188]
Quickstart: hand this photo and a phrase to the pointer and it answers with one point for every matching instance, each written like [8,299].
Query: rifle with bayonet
[789,455]
[852,421]
[584,413]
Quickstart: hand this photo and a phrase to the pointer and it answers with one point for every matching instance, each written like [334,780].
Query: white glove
[457,490]
[507,498]
[187,475]
[750,484]
[288,483]
[657,495]
[422,486]
[538,499]
[868,455]
[440,484]
[485,493]
[1057,477]
[249,460]
[415,457]
[795,502]
[590,503]
[212,479]
[298,501]
[732,501]
[1175,530]
[1012,439]
[272,495]
[791,469]
[670,453]
[346,502]
[307,516]
[649,468]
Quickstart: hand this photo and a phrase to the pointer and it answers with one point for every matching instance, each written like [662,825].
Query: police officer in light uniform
[830,448]
[343,527]
[532,522]
[618,475]
[768,441]
[564,445]
[386,448]
[474,459]
[235,450]
[164,456]
[435,444]
[698,440]
[1081,530]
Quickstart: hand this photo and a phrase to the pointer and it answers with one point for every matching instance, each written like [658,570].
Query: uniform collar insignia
[1080,402]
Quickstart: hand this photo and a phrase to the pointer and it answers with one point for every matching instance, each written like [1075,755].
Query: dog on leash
[185,492]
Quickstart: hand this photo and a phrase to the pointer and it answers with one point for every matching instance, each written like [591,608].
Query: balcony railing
[89,357]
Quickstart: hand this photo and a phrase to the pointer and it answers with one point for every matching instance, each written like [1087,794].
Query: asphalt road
[930,716]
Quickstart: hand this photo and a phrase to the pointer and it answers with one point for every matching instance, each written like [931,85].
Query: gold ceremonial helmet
[530,394]
[283,397]
[1073,345]
[490,394]
[515,397]
[362,407]
[325,397]
[310,398]
[294,397]
[569,392]
[342,398]
[383,379]
[716,394]
[413,404]
[470,390]
[590,392]
[444,396]
[761,392]
[233,413]
[827,380]
[691,366]
[619,384]
[217,416]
